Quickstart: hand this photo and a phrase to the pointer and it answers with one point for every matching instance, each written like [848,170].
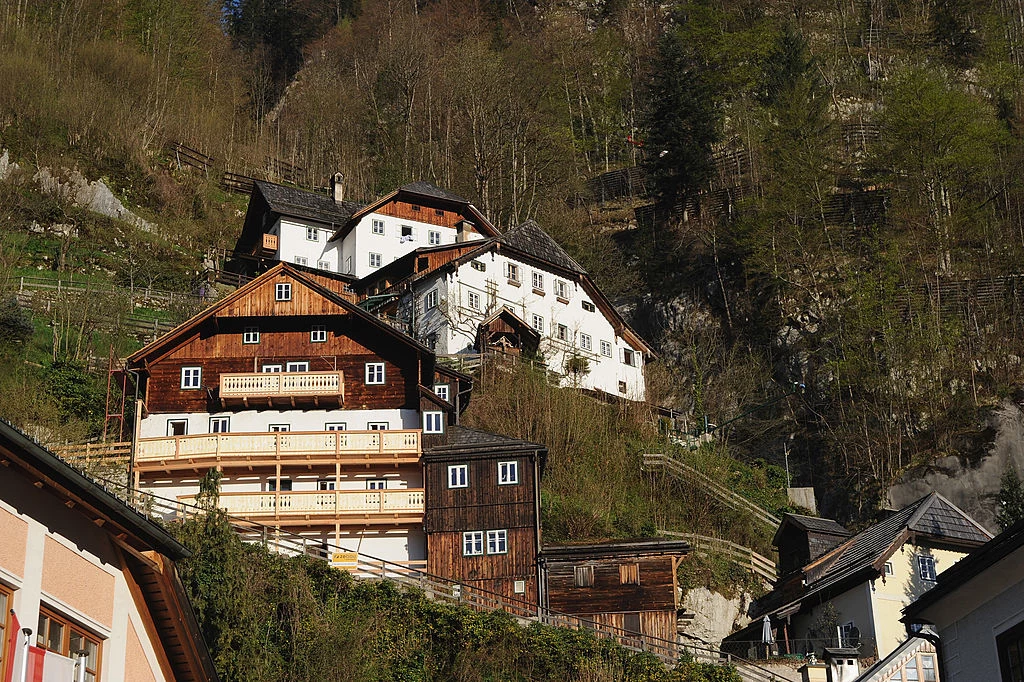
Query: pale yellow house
[852,594]
[93,580]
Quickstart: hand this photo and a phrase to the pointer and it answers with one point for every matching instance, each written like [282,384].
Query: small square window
[414,207]
[279,428]
[583,576]
[376,484]
[298,366]
[375,373]
[375,260]
[478,266]
[283,291]
[630,357]
[497,542]
[473,543]
[588,306]
[251,335]
[586,342]
[272,369]
[301,260]
[622,387]
[220,424]
[538,323]
[473,300]
[433,237]
[441,391]
[177,427]
[458,476]
[325,484]
[562,333]
[191,377]
[508,473]
[433,422]
[512,272]
[378,227]
[888,568]
[406,232]
[438,212]
[377,426]
[335,426]
[430,300]
[323,265]
[318,333]
[312,234]
[606,349]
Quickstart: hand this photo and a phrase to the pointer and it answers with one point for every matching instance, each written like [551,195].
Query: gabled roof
[811,524]
[613,549]
[513,320]
[531,239]
[462,441]
[428,189]
[885,668]
[300,203]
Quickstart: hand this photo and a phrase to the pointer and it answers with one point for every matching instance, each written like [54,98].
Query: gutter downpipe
[934,639]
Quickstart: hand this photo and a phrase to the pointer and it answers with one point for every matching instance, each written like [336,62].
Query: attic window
[414,207]
[422,263]
[438,212]
[583,576]
[283,291]
[588,306]
[477,265]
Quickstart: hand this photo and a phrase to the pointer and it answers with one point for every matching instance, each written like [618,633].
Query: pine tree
[1011,499]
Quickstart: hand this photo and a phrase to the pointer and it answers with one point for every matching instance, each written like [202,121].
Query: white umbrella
[766,631]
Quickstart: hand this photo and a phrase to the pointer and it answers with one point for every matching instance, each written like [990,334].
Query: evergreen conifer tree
[1011,499]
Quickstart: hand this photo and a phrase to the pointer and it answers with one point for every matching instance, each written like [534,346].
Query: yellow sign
[344,558]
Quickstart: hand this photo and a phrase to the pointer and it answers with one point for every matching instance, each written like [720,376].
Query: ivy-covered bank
[268,617]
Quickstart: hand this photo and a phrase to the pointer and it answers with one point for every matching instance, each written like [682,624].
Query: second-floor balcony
[266,246]
[281,388]
[226,450]
[328,506]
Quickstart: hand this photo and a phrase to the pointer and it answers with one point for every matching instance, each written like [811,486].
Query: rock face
[94,196]
[6,165]
[972,487]
[715,615]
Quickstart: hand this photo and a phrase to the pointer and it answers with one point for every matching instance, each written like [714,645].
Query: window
[928,668]
[375,260]
[629,574]
[279,428]
[302,366]
[406,233]
[376,484]
[606,349]
[478,266]
[177,427]
[631,622]
[888,568]
[622,387]
[301,260]
[318,333]
[512,272]
[458,476]
[910,672]
[441,391]
[583,576]
[473,543]
[538,281]
[473,300]
[220,424]
[630,357]
[325,484]
[588,306]
[251,335]
[377,426]
[562,290]
[926,568]
[414,207]
[433,422]
[283,291]
[438,212]
[508,473]
[378,227]
[538,323]
[433,237]
[497,542]
[562,333]
[271,368]
[323,265]
[375,373]
[286,485]
[586,342]
[335,426]
[847,634]
[312,234]
[1010,648]
[62,637]
[430,300]
[191,377]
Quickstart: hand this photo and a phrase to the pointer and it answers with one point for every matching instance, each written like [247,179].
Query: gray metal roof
[816,524]
[530,238]
[428,189]
[301,203]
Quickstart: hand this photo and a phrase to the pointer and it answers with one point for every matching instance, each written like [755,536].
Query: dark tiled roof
[530,238]
[459,439]
[301,203]
[940,517]
[428,189]
[613,548]
[817,525]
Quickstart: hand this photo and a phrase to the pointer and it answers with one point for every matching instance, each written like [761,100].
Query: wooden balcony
[266,247]
[281,389]
[309,448]
[330,506]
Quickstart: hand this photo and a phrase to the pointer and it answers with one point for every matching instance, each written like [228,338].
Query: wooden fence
[745,557]
[88,453]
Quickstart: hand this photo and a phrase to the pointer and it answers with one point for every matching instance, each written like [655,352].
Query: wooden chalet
[505,332]
[83,572]
[801,539]
[628,586]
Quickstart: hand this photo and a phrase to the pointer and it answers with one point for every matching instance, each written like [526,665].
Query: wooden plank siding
[483,504]
[403,210]
[495,573]
[656,590]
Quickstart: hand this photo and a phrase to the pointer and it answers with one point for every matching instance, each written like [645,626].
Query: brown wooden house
[627,586]
[482,519]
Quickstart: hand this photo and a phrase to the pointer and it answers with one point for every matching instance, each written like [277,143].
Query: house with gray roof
[851,595]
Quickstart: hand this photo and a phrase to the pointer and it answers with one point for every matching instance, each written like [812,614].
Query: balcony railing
[353,447]
[267,246]
[403,505]
[268,384]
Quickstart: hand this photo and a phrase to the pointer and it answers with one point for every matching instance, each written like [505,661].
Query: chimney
[462,229]
[338,187]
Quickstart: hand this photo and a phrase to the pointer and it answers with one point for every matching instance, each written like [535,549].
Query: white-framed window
[377,226]
[283,291]
[926,568]
[312,234]
[473,543]
[433,422]
[323,265]
[586,342]
[433,237]
[888,568]
[537,323]
[538,280]
[375,260]
[318,333]
[458,475]
[562,332]
[406,233]
[191,377]
[562,289]
[473,300]
[301,260]
[325,484]
[441,391]
[479,266]
[251,335]
[606,349]
[376,484]
[497,542]
[508,473]
[279,428]
[177,427]
[414,207]
[630,357]
[376,426]
[512,273]
[297,366]
[375,373]
[430,300]
[336,426]
[220,424]
[588,306]
[272,368]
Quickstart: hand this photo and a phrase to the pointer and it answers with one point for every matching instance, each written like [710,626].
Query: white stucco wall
[253,421]
[293,243]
